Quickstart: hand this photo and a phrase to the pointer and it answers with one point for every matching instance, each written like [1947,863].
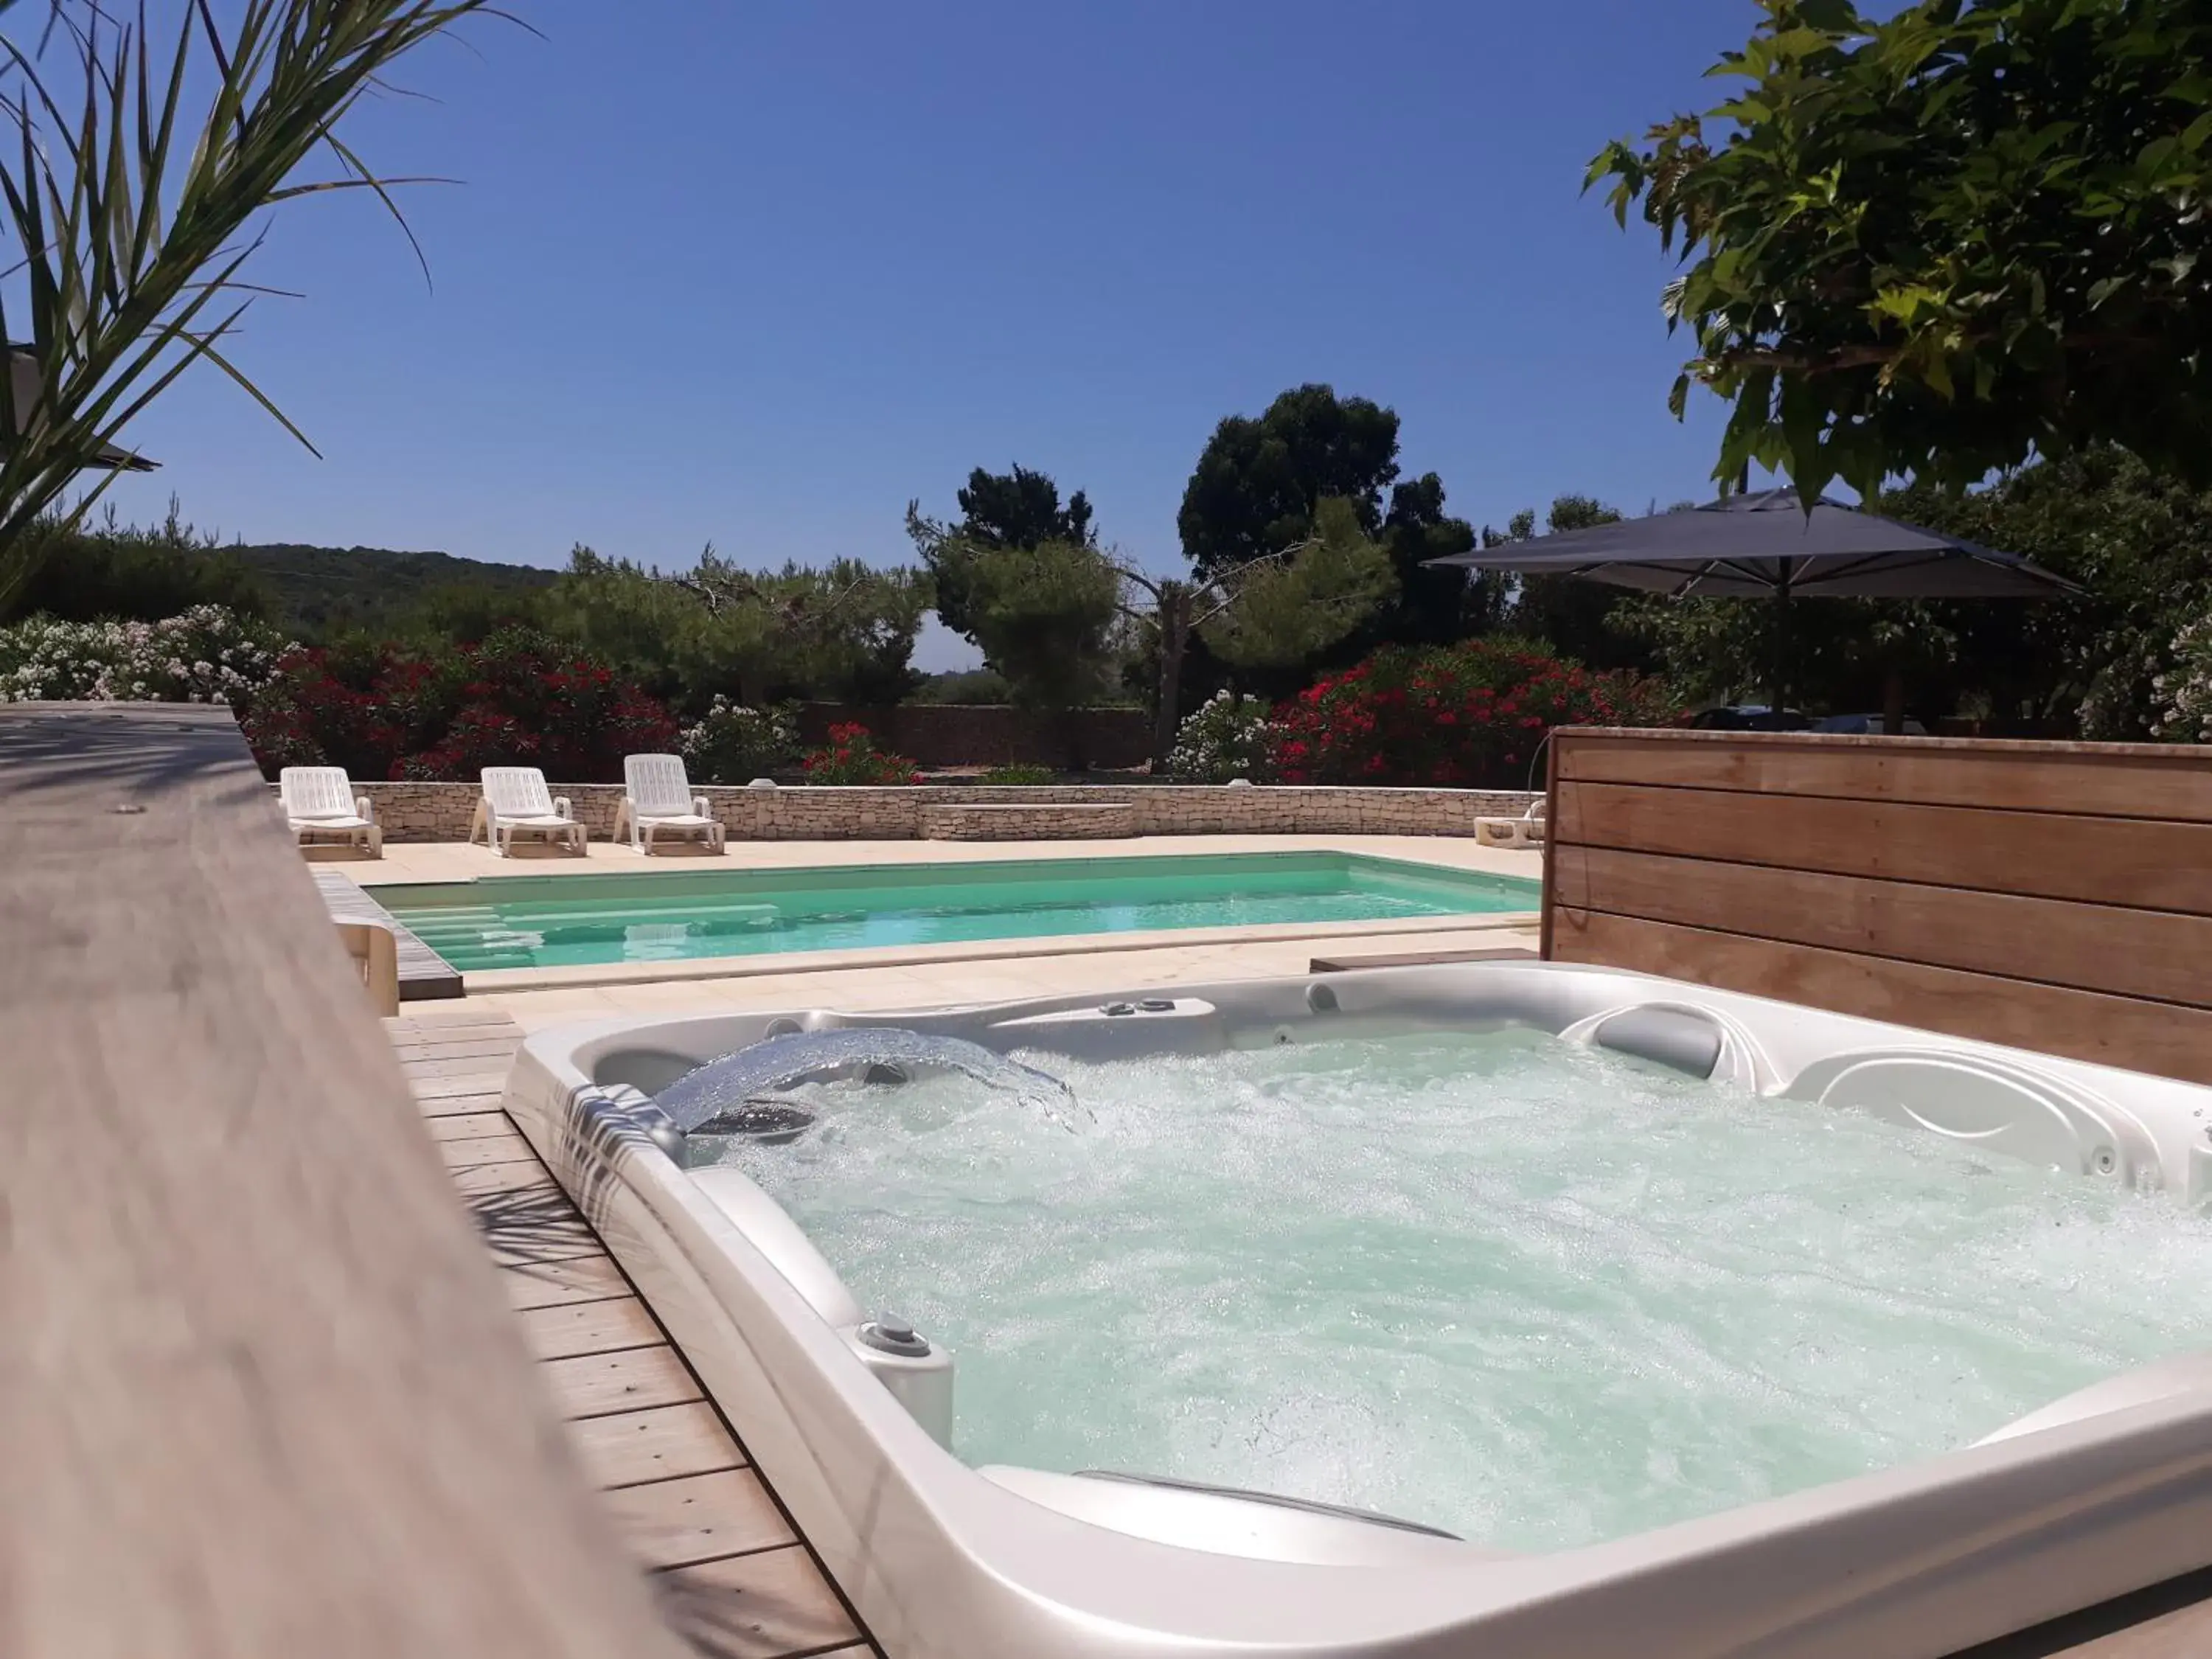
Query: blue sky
[757,272]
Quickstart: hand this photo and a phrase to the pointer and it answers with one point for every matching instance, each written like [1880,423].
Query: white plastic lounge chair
[1527,830]
[319,802]
[657,800]
[515,802]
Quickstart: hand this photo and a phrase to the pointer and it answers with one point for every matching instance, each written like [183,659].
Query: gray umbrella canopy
[1767,546]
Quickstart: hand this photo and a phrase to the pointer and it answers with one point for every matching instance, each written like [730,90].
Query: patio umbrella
[23,372]
[1766,546]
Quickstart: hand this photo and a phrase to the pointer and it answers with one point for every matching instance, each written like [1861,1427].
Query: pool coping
[495,980]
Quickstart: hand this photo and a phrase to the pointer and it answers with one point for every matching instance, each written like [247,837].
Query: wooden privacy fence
[2056,896]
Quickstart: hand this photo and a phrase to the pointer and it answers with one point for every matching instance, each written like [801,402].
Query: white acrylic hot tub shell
[942,1560]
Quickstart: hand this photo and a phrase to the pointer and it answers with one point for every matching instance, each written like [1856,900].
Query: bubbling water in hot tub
[1535,1294]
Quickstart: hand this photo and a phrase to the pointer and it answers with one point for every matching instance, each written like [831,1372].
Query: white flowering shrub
[732,743]
[206,654]
[1227,736]
[2186,691]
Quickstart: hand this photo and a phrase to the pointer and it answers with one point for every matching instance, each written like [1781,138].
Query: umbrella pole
[1781,643]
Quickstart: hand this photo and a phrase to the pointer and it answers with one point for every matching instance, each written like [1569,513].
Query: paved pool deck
[986,971]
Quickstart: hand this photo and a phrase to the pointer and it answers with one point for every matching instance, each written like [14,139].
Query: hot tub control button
[888,1334]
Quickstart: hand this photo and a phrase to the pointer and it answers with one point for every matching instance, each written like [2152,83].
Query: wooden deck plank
[405,1031]
[596,1385]
[467,1154]
[661,1443]
[2172,1620]
[483,1086]
[535,1225]
[566,1331]
[700,1517]
[742,1586]
[493,1065]
[504,1178]
[455,1048]
[552,1284]
[762,1606]
[469,1125]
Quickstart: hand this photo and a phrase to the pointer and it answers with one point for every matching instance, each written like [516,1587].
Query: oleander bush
[851,757]
[207,654]
[1226,737]
[1470,715]
[732,743]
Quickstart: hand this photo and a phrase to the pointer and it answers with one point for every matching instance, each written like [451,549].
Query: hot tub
[2104,1489]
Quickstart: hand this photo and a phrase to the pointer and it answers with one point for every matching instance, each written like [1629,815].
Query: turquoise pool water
[558,922]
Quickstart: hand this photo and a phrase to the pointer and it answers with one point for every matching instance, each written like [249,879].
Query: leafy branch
[1942,243]
[133,221]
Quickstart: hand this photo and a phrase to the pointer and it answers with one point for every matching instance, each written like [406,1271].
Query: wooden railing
[263,1397]
[2056,896]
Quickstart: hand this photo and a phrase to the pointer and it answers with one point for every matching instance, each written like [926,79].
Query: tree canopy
[1258,482]
[1019,511]
[1940,243]
[843,631]
[1281,613]
[1575,617]
[1044,618]
[1428,607]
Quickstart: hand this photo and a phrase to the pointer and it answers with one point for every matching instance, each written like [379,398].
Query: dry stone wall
[441,811]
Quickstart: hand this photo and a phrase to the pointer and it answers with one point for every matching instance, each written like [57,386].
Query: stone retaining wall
[441,811]
[1028,821]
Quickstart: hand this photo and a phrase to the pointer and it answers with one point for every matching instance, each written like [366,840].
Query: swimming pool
[560,921]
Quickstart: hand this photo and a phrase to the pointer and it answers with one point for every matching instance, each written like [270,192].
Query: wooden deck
[732,1575]
[424,976]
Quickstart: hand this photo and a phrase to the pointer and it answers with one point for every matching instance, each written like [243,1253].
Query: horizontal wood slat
[581,1327]
[2052,896]
[662,1443]
[768,1601]
[701,1517]
[2115,781]
[2111,1030]
[597,1384]
[2145,953]
[2143,864]
[551,1284]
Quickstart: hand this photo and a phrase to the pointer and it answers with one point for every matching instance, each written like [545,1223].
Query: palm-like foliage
[134,216]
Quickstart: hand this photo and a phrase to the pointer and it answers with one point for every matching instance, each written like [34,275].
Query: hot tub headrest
[1673,1037]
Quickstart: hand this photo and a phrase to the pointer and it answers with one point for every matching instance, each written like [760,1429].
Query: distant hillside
[322,590]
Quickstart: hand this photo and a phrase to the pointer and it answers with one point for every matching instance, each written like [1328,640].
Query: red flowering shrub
[308,715]
[851,757]
[518,699]
[1469,715]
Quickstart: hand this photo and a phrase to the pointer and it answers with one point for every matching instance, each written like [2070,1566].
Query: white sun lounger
[319,803]
[1527,830]
[657,800]
[516,802]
